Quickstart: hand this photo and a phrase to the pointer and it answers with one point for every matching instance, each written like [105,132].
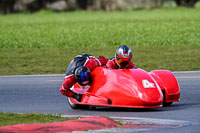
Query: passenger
[122,59]
[79,71]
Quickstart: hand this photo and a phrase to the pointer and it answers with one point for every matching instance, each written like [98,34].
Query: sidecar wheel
[164,100]
[76,106]
[167,104]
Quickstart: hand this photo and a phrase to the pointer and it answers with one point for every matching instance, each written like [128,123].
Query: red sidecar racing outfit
[112,64]
[80,60]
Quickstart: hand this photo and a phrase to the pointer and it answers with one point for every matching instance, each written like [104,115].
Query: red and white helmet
[123,56]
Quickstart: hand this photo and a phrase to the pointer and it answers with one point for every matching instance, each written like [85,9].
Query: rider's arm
[69,81]
[92,63]
[131,65]
[103,60]
[111,64]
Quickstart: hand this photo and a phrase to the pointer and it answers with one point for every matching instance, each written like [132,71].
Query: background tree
[7,6]
[186,3]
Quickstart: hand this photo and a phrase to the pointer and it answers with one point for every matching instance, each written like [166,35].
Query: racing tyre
[167,104]
[76,106]
[164,100]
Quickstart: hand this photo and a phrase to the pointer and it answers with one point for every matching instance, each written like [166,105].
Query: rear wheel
[76,106]
[164,100]
[167,104]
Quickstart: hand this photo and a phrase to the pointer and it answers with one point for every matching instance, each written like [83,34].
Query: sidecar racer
[132,88]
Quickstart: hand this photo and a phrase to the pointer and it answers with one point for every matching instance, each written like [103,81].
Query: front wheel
[76,106]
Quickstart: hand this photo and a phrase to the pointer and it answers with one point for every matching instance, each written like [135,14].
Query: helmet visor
[85,77]
[123,62]
[120,60]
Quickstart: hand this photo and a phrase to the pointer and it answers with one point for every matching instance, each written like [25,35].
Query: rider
[79,71]
[122,59]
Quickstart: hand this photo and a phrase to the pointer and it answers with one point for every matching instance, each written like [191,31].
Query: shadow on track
[180,106]
[118,109]
[172,107]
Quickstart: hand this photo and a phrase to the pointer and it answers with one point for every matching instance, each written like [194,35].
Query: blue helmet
[82,75]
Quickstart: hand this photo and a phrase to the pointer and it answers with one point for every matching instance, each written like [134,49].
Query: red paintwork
[124,88]
[81,124]
[168,83]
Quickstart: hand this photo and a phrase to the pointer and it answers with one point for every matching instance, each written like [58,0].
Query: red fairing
[111,64]
[168,84]
[129,88]
[121,88]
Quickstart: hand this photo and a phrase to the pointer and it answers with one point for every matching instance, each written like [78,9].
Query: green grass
[43,61]
[14,118]
[45,42]
[146,27]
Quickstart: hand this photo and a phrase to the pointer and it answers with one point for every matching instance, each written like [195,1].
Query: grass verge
[14,118]
[45,42]
[49,61]
[174,26]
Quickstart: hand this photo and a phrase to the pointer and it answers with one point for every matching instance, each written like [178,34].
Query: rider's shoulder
[112,58]
[84,56]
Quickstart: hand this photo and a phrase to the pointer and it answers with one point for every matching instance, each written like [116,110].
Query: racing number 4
[147,84]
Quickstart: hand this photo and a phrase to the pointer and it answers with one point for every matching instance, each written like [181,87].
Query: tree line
[10,6]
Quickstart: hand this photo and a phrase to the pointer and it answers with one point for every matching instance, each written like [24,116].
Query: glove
[78,97]
[103,60]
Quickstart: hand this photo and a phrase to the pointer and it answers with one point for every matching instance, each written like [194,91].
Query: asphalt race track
[40,93]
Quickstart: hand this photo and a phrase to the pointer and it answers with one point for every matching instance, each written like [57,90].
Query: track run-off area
[40,94]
